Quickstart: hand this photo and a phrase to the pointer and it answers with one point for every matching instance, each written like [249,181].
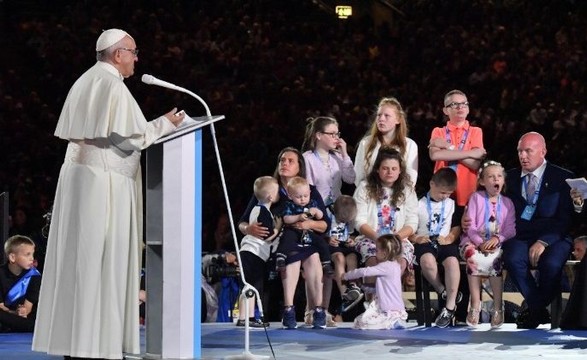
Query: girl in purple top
[327,162]
[328,165]
[387,310]
[493,222]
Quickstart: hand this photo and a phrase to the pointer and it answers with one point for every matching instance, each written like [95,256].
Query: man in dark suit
[544,212]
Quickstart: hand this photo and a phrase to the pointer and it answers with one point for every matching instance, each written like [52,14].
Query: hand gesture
[577,196]
[342,147]
[175,117]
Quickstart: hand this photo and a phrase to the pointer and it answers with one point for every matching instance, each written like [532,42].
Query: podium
[174,243]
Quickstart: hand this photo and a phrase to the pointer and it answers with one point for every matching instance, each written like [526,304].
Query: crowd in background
[268,65]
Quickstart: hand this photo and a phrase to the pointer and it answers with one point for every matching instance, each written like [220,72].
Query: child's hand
[316,213]
[421,239]
[4,308]
[351,242]
[489,246]
[21,311]
[342,147]
[333,241]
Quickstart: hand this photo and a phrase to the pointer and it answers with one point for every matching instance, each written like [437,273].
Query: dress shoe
[531,318]
[543,316]
[527,320]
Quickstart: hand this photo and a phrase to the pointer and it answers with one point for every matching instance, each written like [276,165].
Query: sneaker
[445,318]
[309,317]
[289,318]
[254,323]
[351,297]
[457,300]
[319,318]
[327,269]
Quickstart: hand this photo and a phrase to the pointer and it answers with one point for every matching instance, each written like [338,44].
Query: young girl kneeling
[387,310]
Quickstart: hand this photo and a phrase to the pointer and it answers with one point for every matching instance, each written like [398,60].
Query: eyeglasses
[335,135]
[135,52]
[457,105]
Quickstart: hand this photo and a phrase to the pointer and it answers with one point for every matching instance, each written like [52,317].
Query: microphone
[151,80]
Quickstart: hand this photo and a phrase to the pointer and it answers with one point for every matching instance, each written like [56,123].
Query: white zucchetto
[110,37]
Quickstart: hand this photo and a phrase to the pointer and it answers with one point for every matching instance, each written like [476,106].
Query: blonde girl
[387,310]
[493,222]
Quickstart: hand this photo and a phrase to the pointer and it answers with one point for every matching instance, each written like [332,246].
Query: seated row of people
[387,204]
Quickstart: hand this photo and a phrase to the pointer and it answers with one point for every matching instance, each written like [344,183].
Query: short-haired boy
[254,252]
[20,283]
[342,249]
[435,241]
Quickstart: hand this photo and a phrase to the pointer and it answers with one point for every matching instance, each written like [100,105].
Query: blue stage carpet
[222,339]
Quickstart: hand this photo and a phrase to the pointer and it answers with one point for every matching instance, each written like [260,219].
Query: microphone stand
[248,290]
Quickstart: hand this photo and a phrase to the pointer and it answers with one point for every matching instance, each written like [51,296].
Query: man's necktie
[531,189]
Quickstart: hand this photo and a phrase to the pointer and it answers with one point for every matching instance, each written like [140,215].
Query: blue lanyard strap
[440,220]
[453,164]
[19,289]
[487,213]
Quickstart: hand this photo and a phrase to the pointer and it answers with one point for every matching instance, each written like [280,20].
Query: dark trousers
[14,323]
[537,293]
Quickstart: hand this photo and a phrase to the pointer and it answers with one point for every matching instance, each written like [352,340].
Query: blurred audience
[269,65]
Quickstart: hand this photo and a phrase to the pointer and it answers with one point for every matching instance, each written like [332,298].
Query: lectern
[173,243]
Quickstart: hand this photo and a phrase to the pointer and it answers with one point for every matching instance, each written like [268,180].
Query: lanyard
[497,215]
[453,164]
[20,287]
[536,192]
[436,232]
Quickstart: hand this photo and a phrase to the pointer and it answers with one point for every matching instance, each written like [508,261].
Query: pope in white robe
[89,301]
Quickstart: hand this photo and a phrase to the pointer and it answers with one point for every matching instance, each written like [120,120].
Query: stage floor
[220,340]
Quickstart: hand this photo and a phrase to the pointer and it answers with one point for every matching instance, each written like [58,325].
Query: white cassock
[89,301]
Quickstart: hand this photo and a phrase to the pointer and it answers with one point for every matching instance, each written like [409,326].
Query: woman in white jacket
[386,204]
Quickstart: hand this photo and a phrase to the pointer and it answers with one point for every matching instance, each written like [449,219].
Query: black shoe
[445,318]
[543,316]
[527,320]
[352,296]
[457,300]
[254,323]
[327,269]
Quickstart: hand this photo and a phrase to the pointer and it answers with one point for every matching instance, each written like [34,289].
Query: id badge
[528,212]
